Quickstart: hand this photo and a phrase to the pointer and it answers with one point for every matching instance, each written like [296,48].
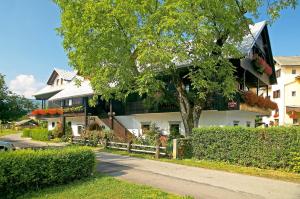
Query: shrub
[68,134]
[275,147]
[40,134]
[37,134]
[25,170]
[26,133]
[58,131]
[92,137]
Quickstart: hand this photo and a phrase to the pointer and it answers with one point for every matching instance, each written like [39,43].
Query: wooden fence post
[175,148]
[157,152]
[129,146]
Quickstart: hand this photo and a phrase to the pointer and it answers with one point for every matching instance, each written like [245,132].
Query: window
[278,73]
[57,81]
[295,121]
[69,123]
[294,93]
[70,102]
[174,128]
[77,101]
[61,81]
[53,124]
[236,123]
[276,122]
[248,124]
[276,94]
[294,71]
[80,129]
[145,126]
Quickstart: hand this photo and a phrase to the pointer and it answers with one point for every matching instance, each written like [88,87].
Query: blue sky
[30,47]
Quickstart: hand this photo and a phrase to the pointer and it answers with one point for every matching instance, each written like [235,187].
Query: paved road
[21,142]
[197,182]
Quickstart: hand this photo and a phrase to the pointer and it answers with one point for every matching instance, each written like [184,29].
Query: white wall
[162,120]
[75,122]
[208,118]
[55,120]
[226,118]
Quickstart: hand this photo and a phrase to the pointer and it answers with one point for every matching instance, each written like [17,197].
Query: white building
[132,116]
[286,92]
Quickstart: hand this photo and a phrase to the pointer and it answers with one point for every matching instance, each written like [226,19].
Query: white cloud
[25,85]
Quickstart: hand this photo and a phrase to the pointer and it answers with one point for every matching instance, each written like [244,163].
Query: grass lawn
[4,132]
[99,186]
[268,173]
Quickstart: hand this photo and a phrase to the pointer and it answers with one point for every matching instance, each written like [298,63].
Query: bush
[37,134]
[26,133]
[25,170]
[92,137]
[275,147]
[58,131]
[40,134]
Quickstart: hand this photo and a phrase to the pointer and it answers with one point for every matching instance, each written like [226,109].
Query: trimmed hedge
[276,147]
[37,134]
[24,170]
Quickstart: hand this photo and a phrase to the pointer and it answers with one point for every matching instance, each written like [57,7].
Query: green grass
[268,173]
[99,186]
[4,132]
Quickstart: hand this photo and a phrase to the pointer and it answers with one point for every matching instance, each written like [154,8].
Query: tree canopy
[12,106]
[124,47]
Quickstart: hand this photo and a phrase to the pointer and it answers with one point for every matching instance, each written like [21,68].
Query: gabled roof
[73,90]
[250,39]
[65,75]
[287,60]
[49,89]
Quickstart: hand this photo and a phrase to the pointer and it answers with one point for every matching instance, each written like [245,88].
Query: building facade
[286,93]
[66,102]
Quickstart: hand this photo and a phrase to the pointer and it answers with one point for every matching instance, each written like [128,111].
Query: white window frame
[236,123]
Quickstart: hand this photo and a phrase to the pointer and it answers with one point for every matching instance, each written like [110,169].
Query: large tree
[12,106]
[125,46]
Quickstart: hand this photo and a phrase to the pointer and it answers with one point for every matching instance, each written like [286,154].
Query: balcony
[138,107]
[58,112]
[243,101]
[47,113]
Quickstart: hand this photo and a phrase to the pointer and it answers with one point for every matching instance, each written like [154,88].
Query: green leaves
[25,170]
[124,47]
[276,147]
[12,106]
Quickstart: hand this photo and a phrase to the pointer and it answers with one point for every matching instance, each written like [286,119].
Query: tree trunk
[190,112]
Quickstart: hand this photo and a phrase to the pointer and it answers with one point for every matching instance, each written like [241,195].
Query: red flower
[42,112]
[263,64]
[34,112]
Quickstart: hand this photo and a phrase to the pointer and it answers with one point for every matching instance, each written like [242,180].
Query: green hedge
[26,133]
[24,170]
[37,134]
[276,147]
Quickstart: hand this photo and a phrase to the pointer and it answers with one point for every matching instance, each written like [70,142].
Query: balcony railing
[247,101]
[139,107]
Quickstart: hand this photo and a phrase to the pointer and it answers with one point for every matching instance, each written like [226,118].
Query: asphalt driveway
[21,142]
[197,182]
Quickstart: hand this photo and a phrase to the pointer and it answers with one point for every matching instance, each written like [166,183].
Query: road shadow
[112,169]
